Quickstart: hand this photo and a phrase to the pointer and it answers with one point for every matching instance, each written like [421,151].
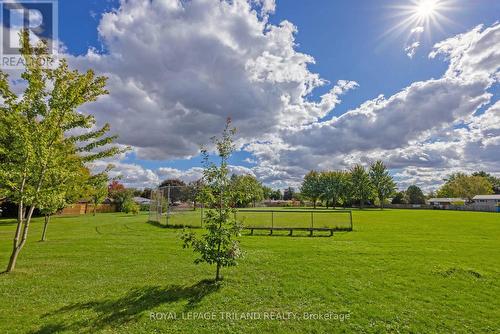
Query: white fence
[474,207]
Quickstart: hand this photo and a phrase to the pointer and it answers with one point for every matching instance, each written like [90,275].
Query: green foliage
[37,133]
[400,198]
[97,189]
[276,195]
[414,195]
[335,186]
[289,194]
[466,186]
[312,187]
[246,189]
[217,246]
[267,192]
[129,206]
[495,181]
[382,182]
[361,186]
[120,196]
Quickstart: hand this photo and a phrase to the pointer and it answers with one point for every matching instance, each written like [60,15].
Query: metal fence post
[312,220]
[272,219]
[168,203]
[159,208]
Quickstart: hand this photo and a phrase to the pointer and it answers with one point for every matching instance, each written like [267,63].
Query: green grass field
[398,271]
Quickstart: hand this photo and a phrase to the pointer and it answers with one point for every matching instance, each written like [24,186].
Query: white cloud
[414,41]
[177,69]
[412,49]
[428,125]
[131,175]
[474,54]
[417,30]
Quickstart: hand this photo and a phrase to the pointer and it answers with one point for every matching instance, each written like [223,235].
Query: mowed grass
[398,271]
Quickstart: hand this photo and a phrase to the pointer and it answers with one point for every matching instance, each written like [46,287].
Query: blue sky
[348,40]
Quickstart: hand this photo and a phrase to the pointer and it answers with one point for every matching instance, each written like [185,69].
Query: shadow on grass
[110,313]
[156,224]
[173,226]
[285,208]
[8,222]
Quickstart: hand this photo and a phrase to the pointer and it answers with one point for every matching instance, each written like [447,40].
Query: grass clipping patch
[458,272]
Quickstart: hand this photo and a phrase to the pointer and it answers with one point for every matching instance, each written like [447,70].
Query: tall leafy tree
[335,186]
[288,194]
[267,192]
[382,181]
[246,189]
[218,245]
[37,131]
[466,186]
[495,181]
[361,186]
[312,187]
[414,195]
[276,195]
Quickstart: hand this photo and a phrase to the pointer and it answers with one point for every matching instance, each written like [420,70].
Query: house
[487,201]
[141,200]
[446,202]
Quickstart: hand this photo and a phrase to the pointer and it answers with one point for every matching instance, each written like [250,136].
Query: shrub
[130,206]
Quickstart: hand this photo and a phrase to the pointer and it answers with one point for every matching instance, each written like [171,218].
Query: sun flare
[426,8]
[421,16]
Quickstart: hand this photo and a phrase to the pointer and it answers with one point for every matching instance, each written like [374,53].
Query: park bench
[290,229]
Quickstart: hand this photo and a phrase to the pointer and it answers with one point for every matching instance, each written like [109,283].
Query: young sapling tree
[218,245]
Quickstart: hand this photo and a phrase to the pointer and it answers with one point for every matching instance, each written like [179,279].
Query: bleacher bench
[291,229]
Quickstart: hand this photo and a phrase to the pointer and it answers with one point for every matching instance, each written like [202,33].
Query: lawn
[398,271]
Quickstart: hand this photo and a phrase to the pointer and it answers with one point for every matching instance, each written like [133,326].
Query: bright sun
[417,17]
[426,8]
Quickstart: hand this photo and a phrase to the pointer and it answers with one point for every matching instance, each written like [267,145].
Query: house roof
[447,200]
[486,197]
[141,200]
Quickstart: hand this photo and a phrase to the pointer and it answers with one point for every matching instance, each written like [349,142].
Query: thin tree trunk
[217,273]
[44,232]
[94,208]
[20,244]
[15,249]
